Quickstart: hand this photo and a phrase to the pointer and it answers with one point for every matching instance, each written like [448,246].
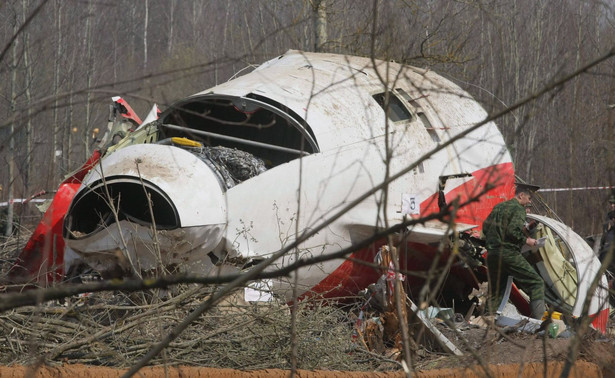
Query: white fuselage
[341,103]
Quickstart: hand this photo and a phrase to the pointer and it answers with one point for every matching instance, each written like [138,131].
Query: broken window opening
[420,113]
[395,109]
[231,165]
[410,100]
[430,129]
[260,128]
[287,111]
[407,97]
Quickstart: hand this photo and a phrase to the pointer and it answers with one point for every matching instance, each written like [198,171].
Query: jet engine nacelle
[148,205]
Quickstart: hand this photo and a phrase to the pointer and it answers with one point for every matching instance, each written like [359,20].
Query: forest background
[62,60]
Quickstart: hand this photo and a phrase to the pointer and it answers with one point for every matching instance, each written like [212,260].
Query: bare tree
[87,43]
[145,26]
[11,153]
[56,130]
[319,7]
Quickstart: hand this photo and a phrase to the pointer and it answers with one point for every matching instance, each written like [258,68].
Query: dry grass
[118,329]
[9,250]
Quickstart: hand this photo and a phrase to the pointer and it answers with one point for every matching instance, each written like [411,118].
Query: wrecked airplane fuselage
[327,130]
[229,176]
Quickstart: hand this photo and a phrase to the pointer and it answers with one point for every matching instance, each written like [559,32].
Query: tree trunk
[515,68]
[145,22]
[133,28]
[10,190]
[572,156]
[534,81]
[68,131]
[250,44]
[171,21]
[27,171]
[265,43]
[56,88]
[87,44]
[320,24]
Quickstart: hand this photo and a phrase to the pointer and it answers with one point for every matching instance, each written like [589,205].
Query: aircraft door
[567,264]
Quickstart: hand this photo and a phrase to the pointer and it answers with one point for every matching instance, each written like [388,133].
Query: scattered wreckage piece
[442,340]
[42,262]
[510,320]
[520,323]
[568,266]
[379,331]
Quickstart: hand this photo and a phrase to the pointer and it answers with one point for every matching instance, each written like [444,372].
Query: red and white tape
[580,188]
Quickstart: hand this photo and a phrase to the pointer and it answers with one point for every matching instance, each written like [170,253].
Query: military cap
[523,187]
[611,200]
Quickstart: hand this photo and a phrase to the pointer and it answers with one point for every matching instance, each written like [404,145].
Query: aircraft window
[421,167]
[396,109]
[407,97]
[429,127]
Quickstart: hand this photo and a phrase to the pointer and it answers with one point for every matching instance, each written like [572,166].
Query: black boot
[537,308]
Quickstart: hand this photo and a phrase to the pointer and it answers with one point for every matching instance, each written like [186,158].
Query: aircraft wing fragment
[434,231]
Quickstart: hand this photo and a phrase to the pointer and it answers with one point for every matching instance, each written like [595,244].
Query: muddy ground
[581,369]
[504,355]
[492,347]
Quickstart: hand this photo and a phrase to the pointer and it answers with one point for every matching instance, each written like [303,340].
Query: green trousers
[504,264]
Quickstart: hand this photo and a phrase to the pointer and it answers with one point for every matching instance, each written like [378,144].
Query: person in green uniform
[504,237]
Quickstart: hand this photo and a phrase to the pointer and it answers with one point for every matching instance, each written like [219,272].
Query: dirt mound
[581,368]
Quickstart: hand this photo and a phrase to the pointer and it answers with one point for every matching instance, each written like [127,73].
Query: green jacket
[503,228]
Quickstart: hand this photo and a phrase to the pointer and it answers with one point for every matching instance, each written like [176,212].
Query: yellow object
[554,315]
[186,142]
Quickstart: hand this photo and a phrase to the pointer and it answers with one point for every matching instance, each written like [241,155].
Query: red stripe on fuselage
[42,259]
[601,319]
[350,276]
[501,179]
